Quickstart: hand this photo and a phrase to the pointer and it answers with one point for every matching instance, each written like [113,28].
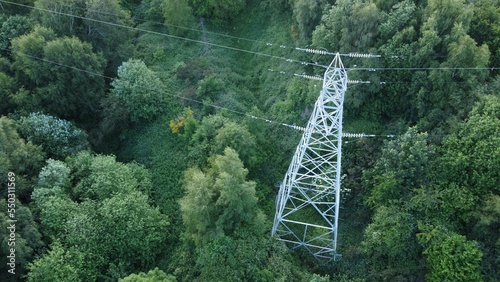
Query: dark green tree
[401,169]
[218,10]
[27,240]
[63,74]
[178,16]
[20,157]
[106,219]
[391,245]
[11,28]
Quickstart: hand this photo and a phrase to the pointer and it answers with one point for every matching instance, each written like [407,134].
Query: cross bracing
[307,204]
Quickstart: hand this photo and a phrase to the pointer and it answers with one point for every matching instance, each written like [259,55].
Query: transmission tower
[307,205]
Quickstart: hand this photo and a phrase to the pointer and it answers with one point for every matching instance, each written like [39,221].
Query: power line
[307,50]
[295,127]
[353,55]
[156,90]
[168,35]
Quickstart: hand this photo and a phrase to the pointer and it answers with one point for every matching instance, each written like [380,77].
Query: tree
[13,27]
[106,218]
[215,133]
[348,26]
[177,15]
[470,160]
[116,43]
[60,15]
[450,256]
[220,201]
[401,169]
[85,20]
[58,138]
[6,91]
[60,264]
[154,275]
[220,10]
[391,245]
[140,90]
[20,157]
[307,13]
[27,240]
[100,177]
[63,74]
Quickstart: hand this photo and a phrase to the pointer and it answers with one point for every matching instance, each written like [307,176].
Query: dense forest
[143,140]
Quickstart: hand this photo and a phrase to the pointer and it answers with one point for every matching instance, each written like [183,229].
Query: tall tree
[110,225]
[140,90]
[450,256]
[20,157]
[220,201]
[401,169]
[63,74]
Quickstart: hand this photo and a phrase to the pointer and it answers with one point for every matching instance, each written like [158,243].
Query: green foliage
[450,256]
[470,158]
[61,24]
[66,92]
[391,245]
[6,91]
[114,42]
[399,16]
[100,177]
[140,90]
[27,240]
[154,275]
[247,258]
[13,27]
[350,25]
[58,138]
[53,180]
[177,13]
[307,13]
[18,156]
[60,265]
[215,133]
[220,201]
[209,87]
[401,169]
[109,222]
[218,10]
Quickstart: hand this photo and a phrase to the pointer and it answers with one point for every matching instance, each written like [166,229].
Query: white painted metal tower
[307,205]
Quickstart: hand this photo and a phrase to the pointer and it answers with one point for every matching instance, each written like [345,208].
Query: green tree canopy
[154,275]
[58,138]
[20,157]
[106,218]
[27,240]
[140,90]
[64,75]
[218,10]
[220,201]
[449,256]
[215,133]
[401,169]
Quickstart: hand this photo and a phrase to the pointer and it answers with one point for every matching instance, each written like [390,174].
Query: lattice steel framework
[307,206]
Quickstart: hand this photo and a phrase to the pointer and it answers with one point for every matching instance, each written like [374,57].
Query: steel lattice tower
[307,206]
